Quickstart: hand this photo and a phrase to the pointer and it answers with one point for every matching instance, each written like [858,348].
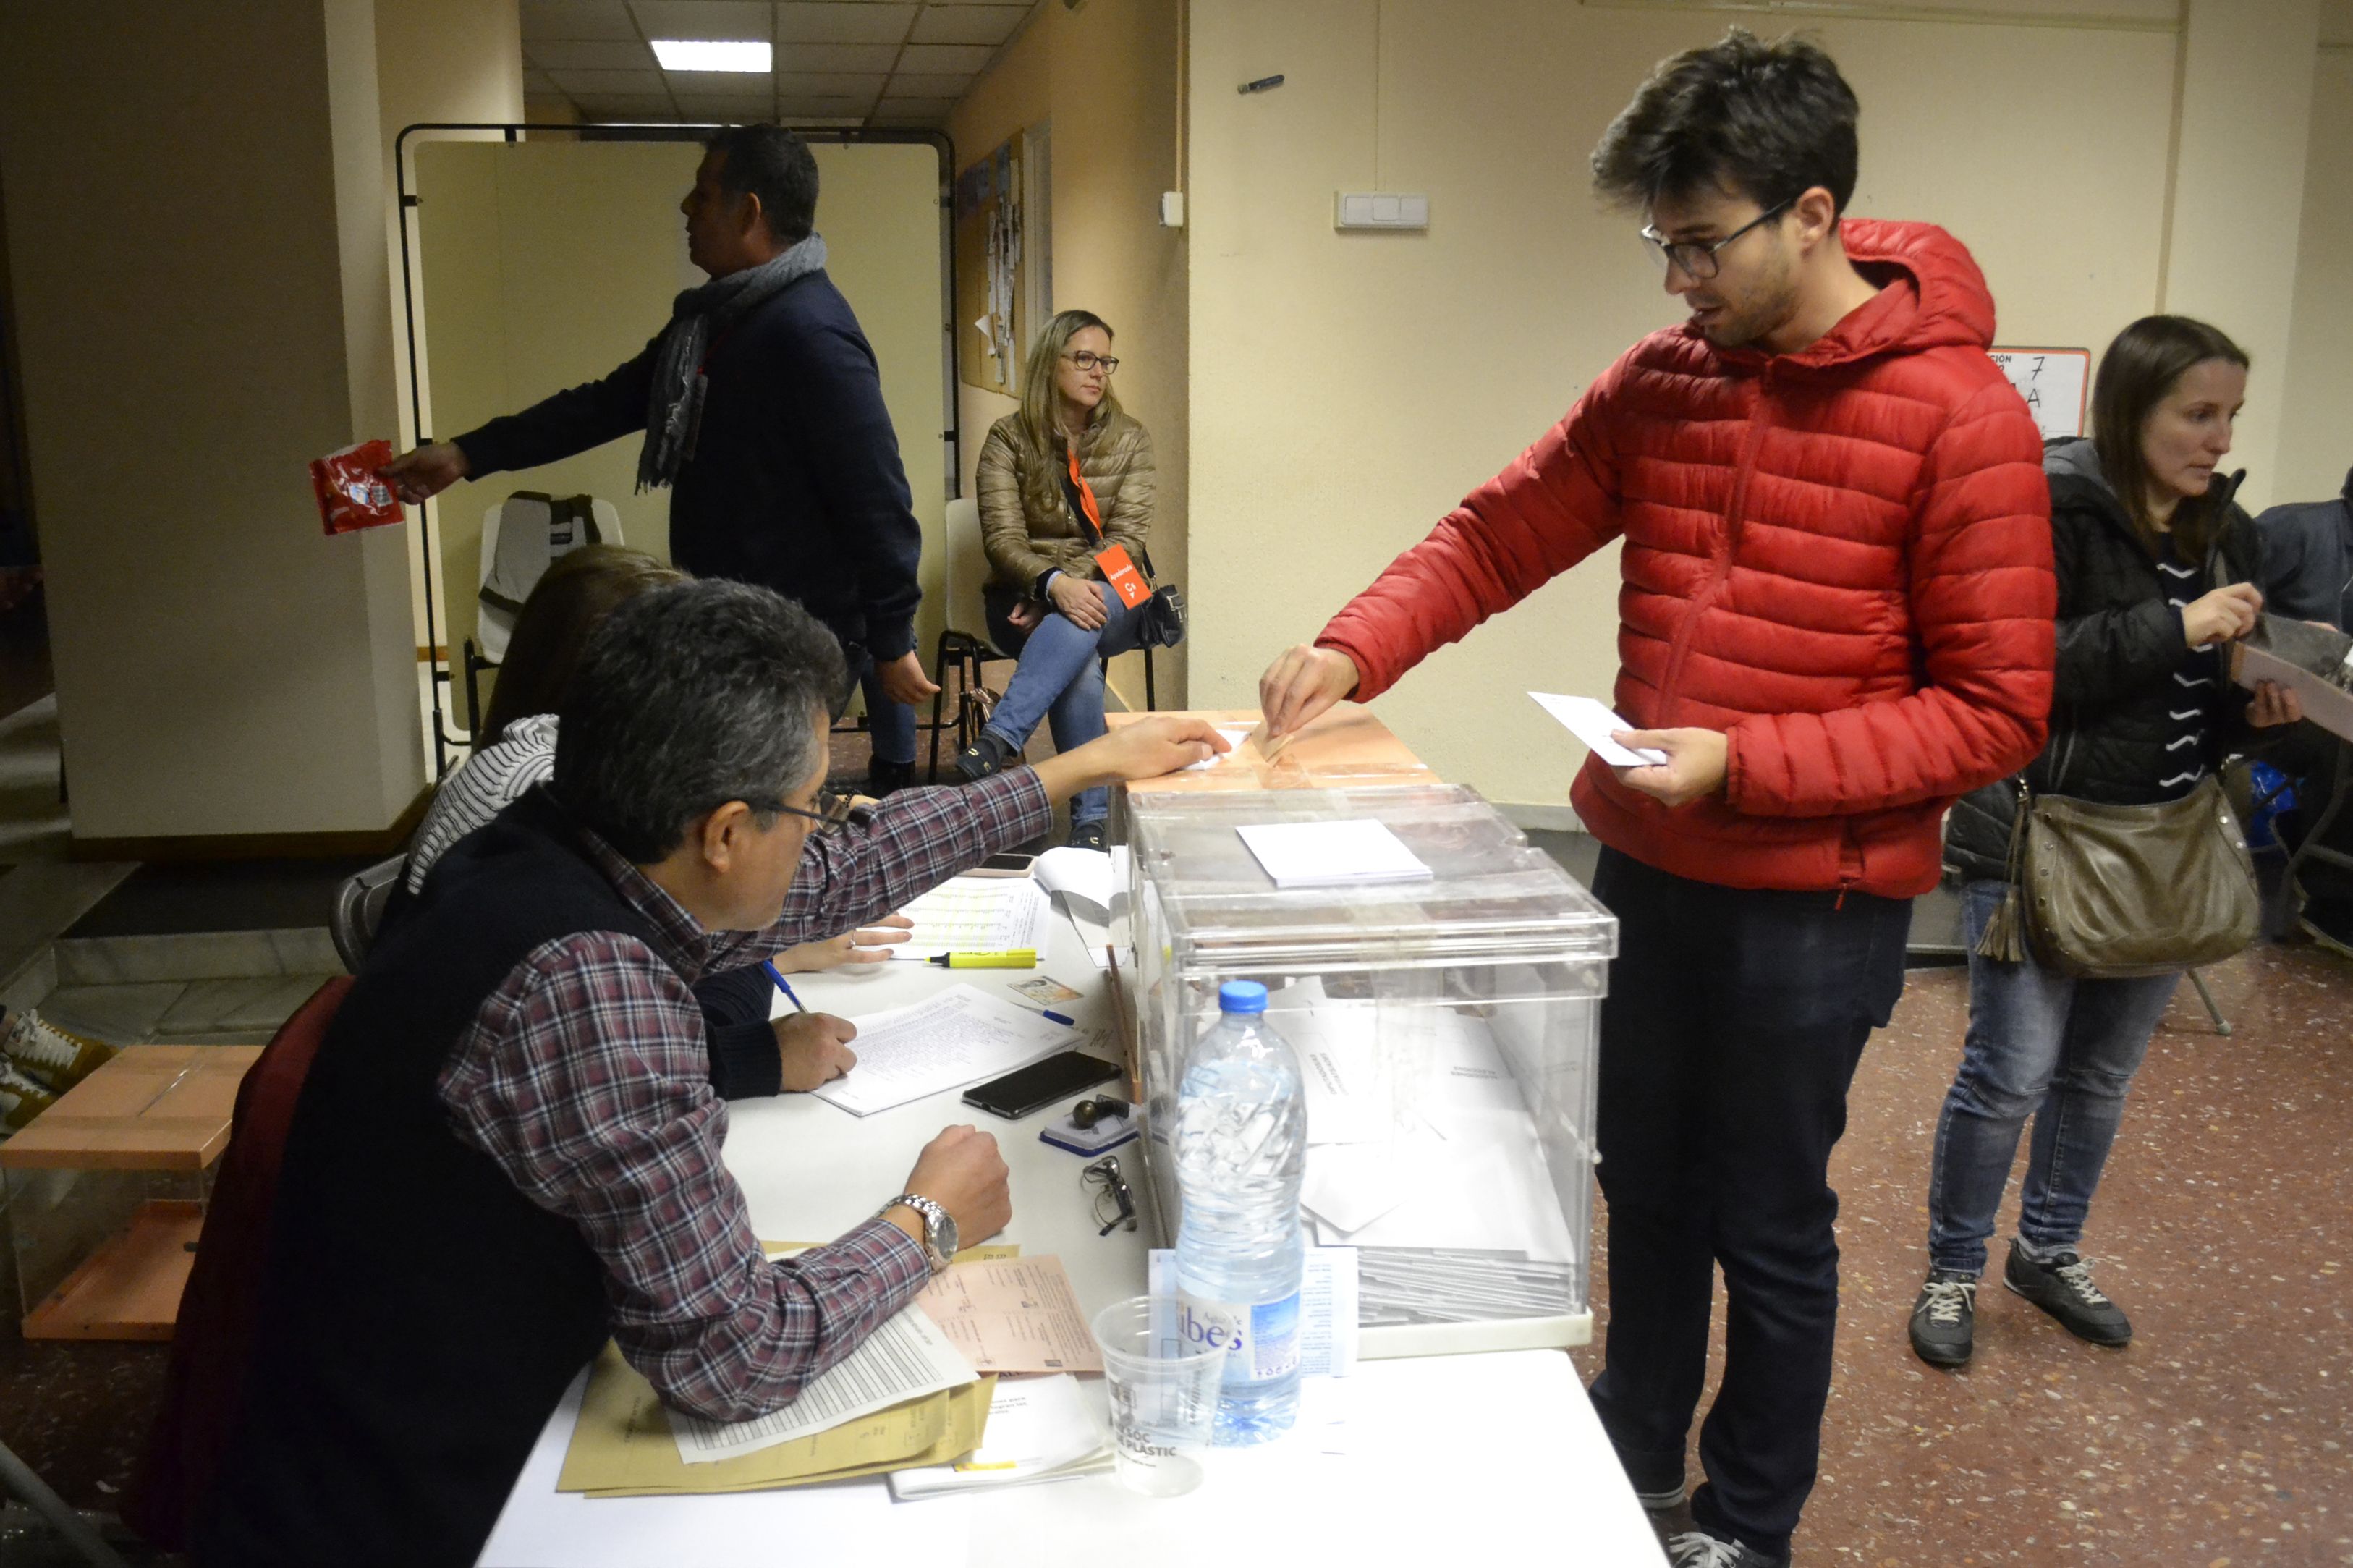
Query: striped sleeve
[491,780]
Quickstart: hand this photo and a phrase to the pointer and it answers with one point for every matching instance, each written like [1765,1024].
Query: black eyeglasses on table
[1110,1195]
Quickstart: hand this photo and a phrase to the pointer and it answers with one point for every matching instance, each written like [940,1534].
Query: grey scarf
[698,318]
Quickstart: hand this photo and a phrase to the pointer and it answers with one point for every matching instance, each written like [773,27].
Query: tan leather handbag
[2111,892]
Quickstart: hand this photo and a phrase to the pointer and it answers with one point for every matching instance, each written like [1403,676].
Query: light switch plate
[1380,209]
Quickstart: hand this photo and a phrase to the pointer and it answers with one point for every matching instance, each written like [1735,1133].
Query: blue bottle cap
[1241,996]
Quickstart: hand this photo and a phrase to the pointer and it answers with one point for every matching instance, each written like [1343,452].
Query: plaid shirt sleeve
[584,1077]
[916,839]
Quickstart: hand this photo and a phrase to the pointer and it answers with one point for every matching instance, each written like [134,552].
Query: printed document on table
[1593,723]
[905,1358]
[1040,1429]
[1332,853]
[1013,1315]
[960,1037]
[976,914]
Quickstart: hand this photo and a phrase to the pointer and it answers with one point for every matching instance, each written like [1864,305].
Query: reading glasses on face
[833,813]
[1087,359]
[1696,259]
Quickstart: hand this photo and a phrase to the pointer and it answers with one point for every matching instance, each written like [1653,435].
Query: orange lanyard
[1086,495]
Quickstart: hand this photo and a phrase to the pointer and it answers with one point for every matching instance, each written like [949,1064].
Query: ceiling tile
[904,85]
[820,84]
[989,25]
[868,58]
[576,19]
[833,21]
[587,54]
[798,108]
[923,109]
[628,106]
[744,108]
[598,84]
[719,84]
[539,84]
[702,18]
[946,60]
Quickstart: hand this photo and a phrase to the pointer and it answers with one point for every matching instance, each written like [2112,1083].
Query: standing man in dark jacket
[762,405]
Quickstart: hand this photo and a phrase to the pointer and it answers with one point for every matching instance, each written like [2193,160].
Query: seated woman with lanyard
[1066,490]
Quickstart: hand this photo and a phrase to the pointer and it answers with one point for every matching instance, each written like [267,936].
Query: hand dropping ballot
[1594,724]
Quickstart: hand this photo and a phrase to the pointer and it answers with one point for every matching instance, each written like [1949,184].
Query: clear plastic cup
[1164,1395]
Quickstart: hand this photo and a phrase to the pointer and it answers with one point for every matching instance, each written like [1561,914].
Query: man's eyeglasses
[1115,1204]
[1086,359]
[833,813]
[1697,258]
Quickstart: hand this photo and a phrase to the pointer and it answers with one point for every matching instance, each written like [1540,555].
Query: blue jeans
[1059,679]
[2063,1051]
[891,724]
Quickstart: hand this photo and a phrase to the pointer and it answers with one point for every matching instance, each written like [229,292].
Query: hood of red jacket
[1931,295]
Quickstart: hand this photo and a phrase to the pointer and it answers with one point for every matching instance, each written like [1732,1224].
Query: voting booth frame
[1447,1029]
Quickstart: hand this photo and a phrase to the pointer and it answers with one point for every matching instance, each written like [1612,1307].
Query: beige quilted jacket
[1116,459]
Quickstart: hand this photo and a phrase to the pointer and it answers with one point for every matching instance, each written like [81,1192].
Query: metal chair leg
[2221,1024]
[17,1477]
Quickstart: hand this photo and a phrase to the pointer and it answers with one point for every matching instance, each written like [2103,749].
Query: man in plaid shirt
[508,1149]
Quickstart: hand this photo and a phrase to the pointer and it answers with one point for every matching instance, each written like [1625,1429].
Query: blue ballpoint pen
[777,975]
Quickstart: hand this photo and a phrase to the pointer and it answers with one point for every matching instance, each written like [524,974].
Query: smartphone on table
[1040,1084]
[1004,866]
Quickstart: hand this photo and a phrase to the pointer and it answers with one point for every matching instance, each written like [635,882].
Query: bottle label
[1264,1337]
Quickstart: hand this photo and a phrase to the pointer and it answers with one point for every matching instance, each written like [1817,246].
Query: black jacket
[795,483]
[2309,560]
[2114,699]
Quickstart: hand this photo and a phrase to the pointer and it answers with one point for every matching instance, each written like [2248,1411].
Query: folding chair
[520,536]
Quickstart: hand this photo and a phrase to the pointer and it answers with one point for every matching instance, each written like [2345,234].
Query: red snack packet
[350,494]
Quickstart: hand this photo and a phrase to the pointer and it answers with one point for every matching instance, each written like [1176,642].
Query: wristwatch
[939,1230]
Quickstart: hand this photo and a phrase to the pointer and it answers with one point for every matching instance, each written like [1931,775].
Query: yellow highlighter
[1013,958]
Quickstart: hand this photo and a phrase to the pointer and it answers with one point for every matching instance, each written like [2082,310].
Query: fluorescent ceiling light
[712,54]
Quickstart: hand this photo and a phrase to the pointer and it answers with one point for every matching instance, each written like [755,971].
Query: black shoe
[984,757]
[1698,1549]
[1943,1319]
[1086,836]
[883,778]
[2329,925]
[2062,1286]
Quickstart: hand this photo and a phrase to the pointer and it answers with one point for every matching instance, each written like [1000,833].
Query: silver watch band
[936,1221]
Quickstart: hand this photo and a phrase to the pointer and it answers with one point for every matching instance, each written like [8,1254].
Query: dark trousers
[1732,1029]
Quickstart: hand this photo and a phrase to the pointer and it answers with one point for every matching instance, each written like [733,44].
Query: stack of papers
[1333,853]
[976,914]
[960,1037]
[1090,889]
[1040,1429]
[905,1358]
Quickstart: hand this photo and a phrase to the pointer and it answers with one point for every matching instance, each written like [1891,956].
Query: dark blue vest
[420,1318]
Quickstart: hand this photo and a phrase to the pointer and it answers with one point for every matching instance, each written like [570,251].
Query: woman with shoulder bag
[2153,557]
[1065,482]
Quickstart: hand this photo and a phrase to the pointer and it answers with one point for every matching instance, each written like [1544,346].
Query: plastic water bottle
[1241,1148]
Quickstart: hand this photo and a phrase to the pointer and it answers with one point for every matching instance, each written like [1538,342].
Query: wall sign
[2055,383]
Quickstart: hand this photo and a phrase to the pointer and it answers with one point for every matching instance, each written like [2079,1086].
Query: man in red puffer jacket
[1835,619]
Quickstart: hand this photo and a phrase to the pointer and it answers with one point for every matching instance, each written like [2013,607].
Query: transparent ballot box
[1446,1033]
[107,1191]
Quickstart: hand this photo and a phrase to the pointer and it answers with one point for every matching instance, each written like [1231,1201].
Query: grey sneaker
[2062,1286]
[1943,1319]
[1698,1549]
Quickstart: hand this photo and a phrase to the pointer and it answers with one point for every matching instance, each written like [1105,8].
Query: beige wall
[1348,389]
[1105,77]
[547,263]
[2317,428]
[222,666]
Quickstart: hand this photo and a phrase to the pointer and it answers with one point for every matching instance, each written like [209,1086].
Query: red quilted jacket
[1839,557]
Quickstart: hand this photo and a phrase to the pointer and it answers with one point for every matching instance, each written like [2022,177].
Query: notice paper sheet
[1012,1314]
[959,1037]
[905,1358]
[976,914]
